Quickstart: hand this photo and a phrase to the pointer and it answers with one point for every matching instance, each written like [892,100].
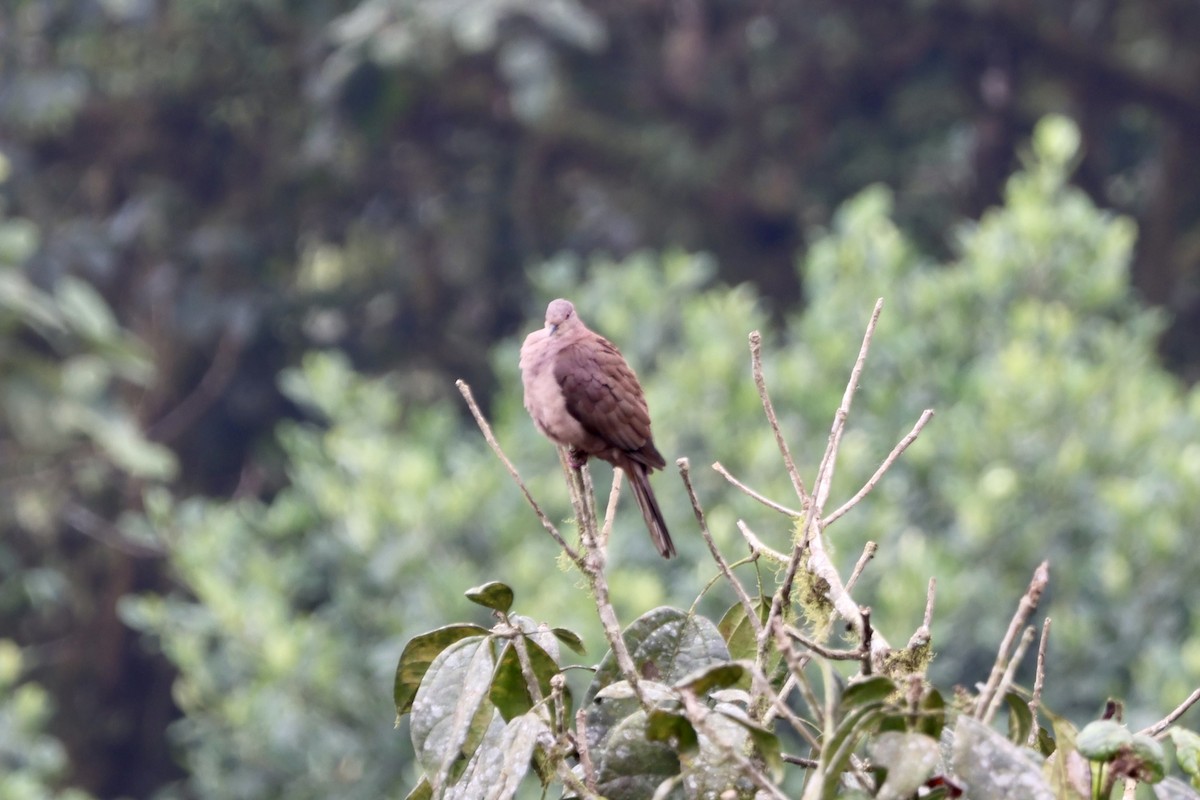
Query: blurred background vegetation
[246,247]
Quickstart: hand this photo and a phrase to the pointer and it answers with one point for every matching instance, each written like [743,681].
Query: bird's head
[559,313]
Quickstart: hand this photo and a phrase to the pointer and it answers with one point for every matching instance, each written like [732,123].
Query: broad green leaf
[716,676]
[451,713]
[502,760]
[494,595]
[1187,752]
[1020,718]
[85,310]
[666,644]
[422,791]
[1151,759]
[1102,739]
[570,638]
[863,691]
[418,654]
[993,767]
[510,690]
[665,726]
[909,758]
[629,766]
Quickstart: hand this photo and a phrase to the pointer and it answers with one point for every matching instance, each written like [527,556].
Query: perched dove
[582,395]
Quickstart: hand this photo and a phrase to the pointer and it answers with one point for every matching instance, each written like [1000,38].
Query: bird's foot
[576,457]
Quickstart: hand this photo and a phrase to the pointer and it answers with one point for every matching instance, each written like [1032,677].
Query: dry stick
[1029,602]
[697,714]
[756,544]
[610,512]
[766,501]
[465,390]
[825,470]
[819,562]
[822,650]
[867,554]
[922,635]
[761,383]
[1039,680]
[900,447]
[722,564]
[868,632]
[581,747]
[1157,728]
[1009,673]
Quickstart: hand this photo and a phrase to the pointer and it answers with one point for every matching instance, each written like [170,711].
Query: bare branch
[761,383]
[1157,728]
[825,471]
[900,447]
[867,554]
[722,564]
[756,544]
[766,501]
[1039,680]
[1029,602]
[822,650]
[482,422]
[1009,672]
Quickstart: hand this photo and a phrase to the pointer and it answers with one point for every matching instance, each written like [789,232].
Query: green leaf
[1102,739]
[419,654]
[629,766]
[766,743]
[665,726]
[451,713]
[570,638]
[738,631]
[933,716]
[865,691]
[1187,752]
[994,767]
[422,791]
[85,310]
[510,690]
[909,758]
[1020,718]
[494,595]
[502,760]
[1150,759]
[666,644]
[705,679]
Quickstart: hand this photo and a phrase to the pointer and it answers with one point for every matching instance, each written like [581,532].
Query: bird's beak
[551,328]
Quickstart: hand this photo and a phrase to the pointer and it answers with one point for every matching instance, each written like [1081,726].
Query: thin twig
[1039,680]
[761,383]
[1029,602]
[610,511]
[924,634]
[1164,723]
[867,633]
[900,447]
[722,564]
[822,650]
[825,471]
[756,544]
[766,501]
[482,422]
[867,554]
[1009,673]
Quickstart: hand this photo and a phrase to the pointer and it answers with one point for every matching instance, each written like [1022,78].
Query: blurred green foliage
[32,763]
[1057,435]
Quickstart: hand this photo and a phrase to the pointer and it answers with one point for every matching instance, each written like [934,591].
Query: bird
[582,394]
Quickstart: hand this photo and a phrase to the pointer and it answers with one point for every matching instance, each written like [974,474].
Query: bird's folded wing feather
[602,392]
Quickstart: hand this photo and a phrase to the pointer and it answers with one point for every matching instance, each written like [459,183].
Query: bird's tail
[639,479]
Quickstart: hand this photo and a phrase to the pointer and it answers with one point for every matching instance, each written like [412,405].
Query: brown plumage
[582,394]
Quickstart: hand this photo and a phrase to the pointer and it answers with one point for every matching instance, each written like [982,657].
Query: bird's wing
[604,395]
